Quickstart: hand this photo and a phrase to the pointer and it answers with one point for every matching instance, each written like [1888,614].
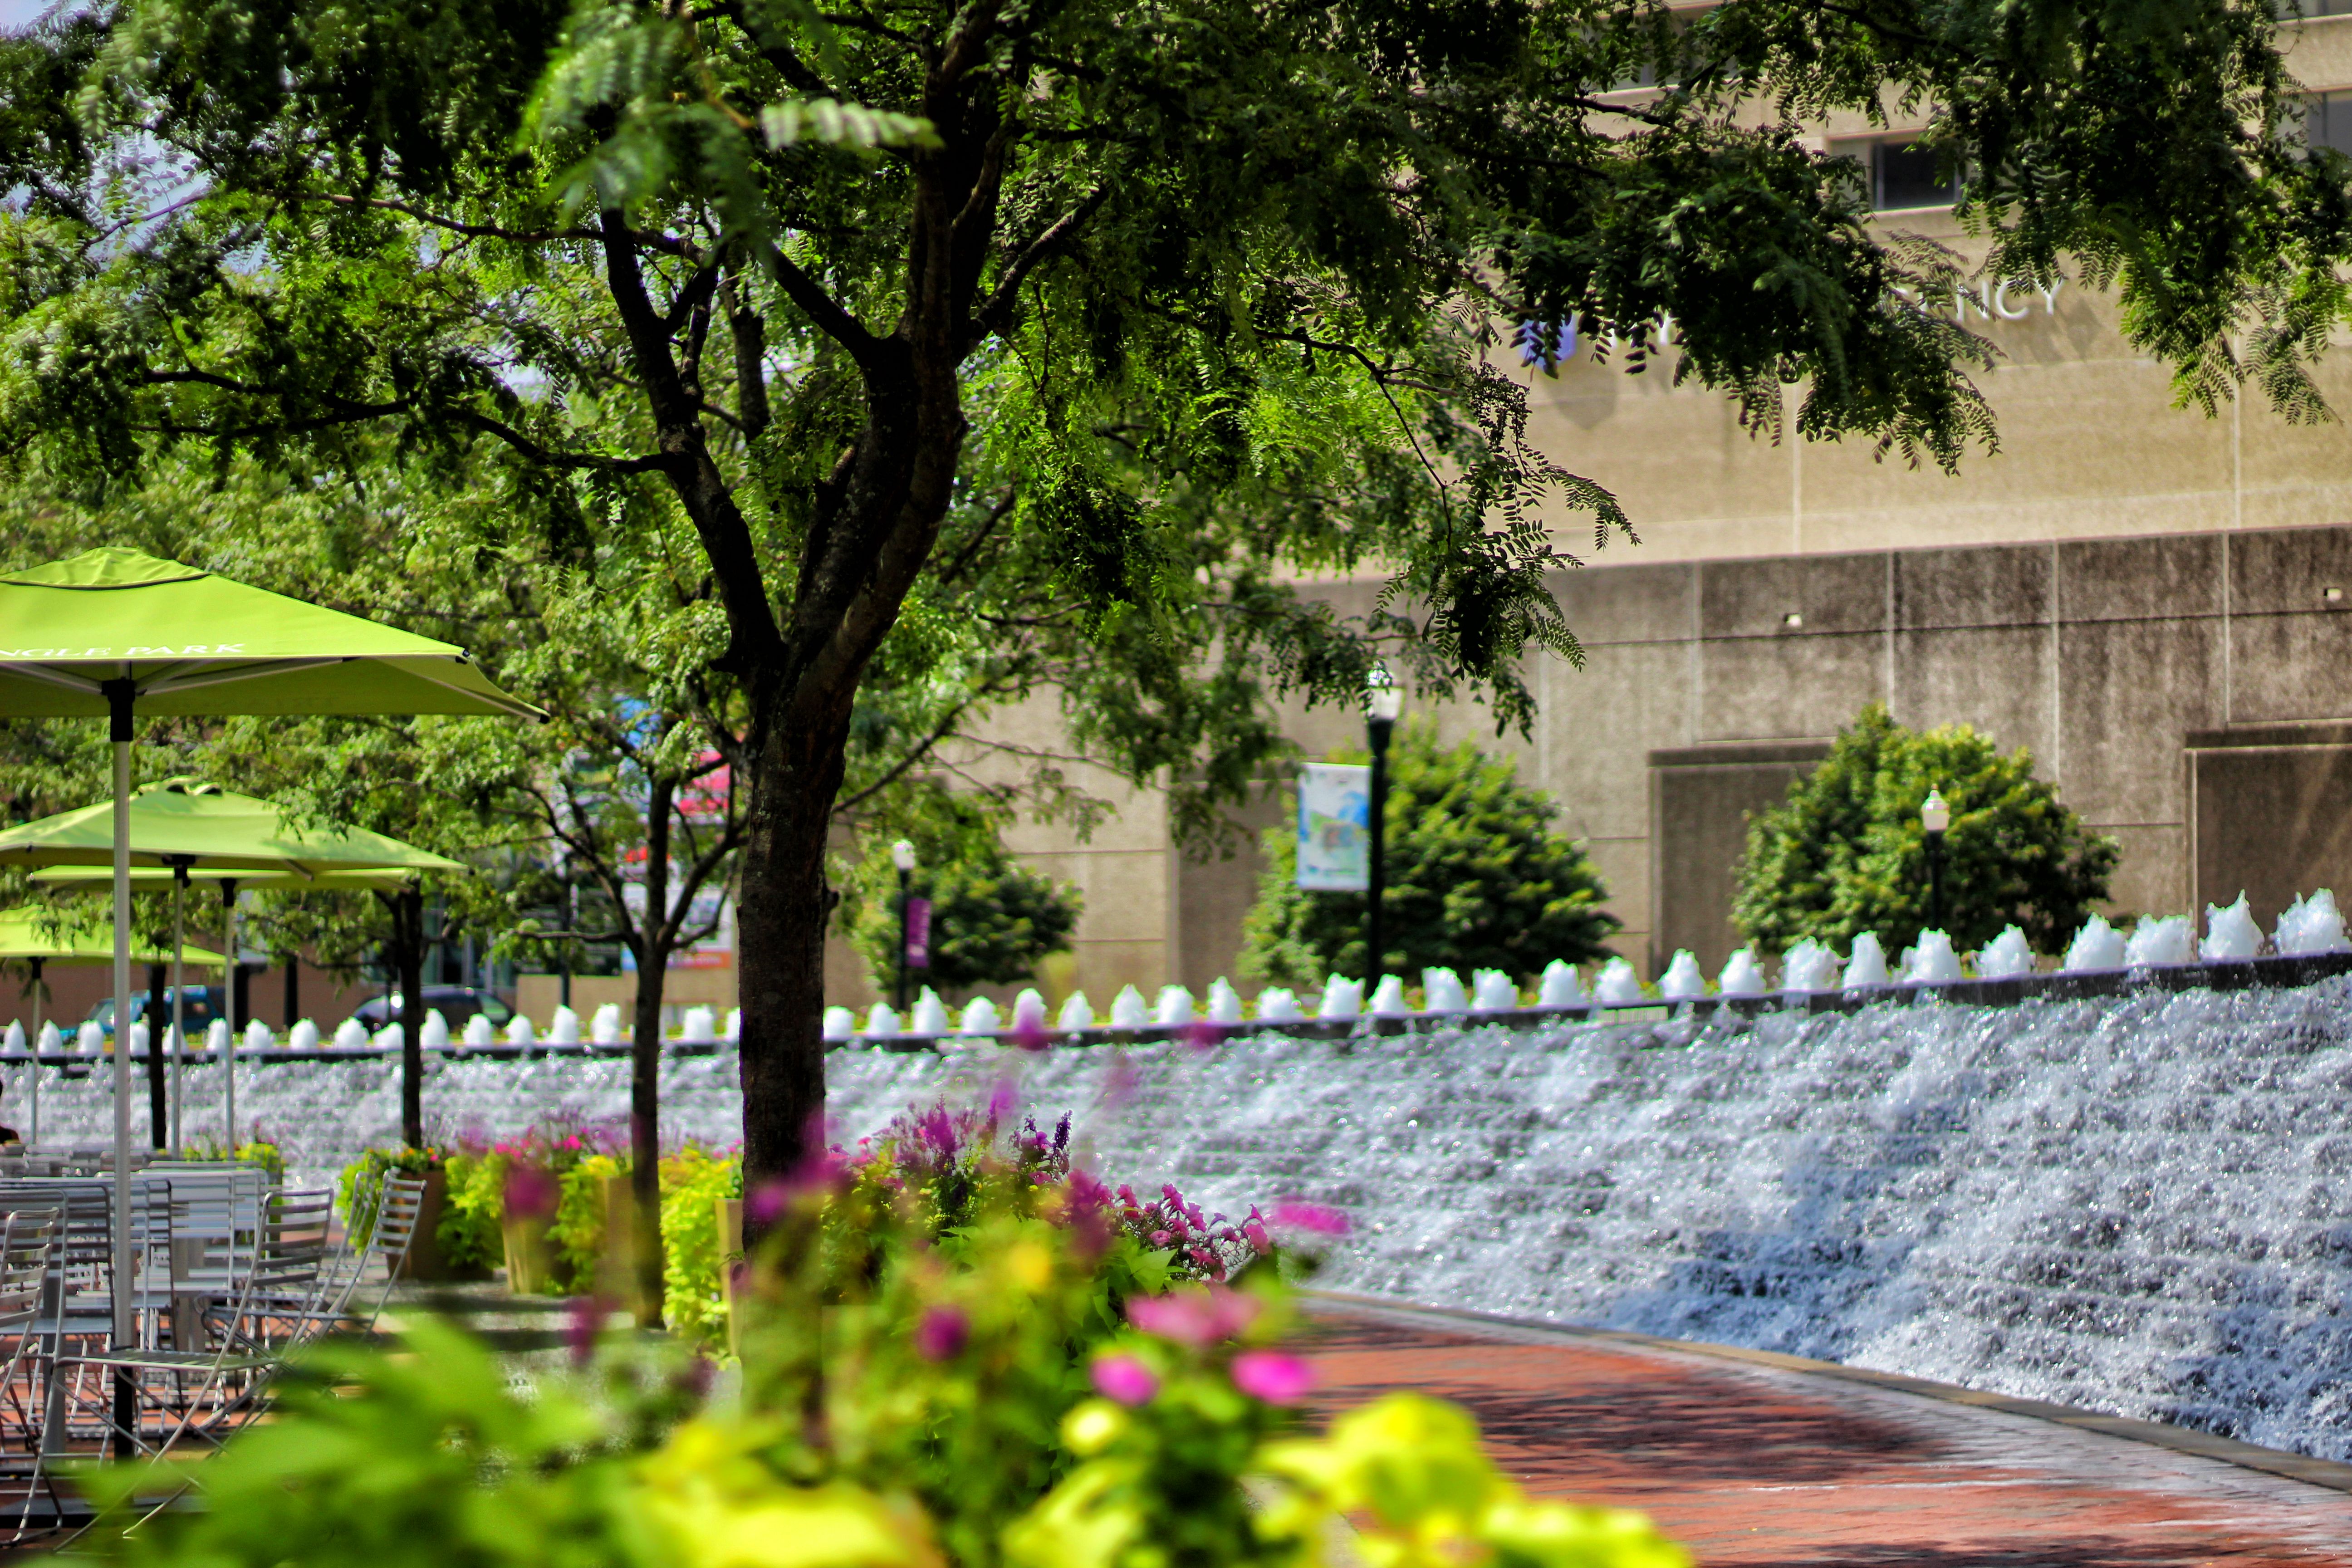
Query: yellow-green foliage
[693,1262]
[469,1233]
[578,1232]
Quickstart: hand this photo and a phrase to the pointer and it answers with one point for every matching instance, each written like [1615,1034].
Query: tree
[1845,853]
[1477,880]
[993,919]
[1085,326]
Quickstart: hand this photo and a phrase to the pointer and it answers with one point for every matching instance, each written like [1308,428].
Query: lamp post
[1935,816]
[1382,702]
[902,855]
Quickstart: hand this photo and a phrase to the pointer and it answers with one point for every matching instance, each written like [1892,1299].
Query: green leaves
[1846,853]
[1477,880]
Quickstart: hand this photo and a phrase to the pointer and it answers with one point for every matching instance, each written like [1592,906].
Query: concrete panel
[2129,692]
[2289,571]
[1628,701]
[1213,896]
[2290,667]
[2271,821]
[2152,876]
[1625,868]
[2139,579]
[1787,688]
[1698,833]
[1997,678]
[1991,586]
[1828,594]
[1126,890]
[1617,603]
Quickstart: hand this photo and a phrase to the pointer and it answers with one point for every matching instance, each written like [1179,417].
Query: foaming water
[2139,1204]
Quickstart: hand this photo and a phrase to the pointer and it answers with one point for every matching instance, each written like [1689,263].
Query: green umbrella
[310,873]
[29,935]
[114,633]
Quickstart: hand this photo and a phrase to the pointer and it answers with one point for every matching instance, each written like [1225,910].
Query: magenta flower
[1198,1317]
[1272,1376]
[1292,1214]
[1160,1238]
[583,1319]
[1255,1234]
[1029,1034]
[1124,1379]
[531,1193]
[768,1202]
[1003,1099]
[943,1334]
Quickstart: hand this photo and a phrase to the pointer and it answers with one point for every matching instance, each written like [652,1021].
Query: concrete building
[2157,603]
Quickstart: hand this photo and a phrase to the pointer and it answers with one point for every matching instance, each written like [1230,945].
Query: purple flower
[1317,1218]
[1124,1379]
[1003,1099]
[584,1318]
[943,1334]
[531,1193]
[1029,1034]
[768,1202]
[1272,1376]
[1194,1317]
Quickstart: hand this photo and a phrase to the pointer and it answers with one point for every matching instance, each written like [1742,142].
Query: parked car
[456,1004]
[201,1006]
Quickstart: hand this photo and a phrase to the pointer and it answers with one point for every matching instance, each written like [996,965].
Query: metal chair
[207,1393]
[28,1242]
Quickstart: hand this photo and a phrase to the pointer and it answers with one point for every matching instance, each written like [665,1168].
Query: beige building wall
[2118,575]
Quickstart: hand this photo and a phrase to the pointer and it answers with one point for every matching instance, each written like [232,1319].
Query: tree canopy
[1846,853]
[1013,346]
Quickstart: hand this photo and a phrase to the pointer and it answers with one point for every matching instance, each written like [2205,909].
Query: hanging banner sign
[918,933]
[1335,849]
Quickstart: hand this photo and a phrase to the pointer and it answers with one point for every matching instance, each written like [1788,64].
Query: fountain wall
[2141,1204]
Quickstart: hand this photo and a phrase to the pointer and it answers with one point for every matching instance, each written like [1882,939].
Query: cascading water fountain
[2138,1203]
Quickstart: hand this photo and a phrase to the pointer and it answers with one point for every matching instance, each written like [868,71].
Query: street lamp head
[902,855]
[1383,698]
[1935,815]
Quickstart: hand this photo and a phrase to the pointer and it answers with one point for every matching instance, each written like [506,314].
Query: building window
[1895,174]
[2327,121]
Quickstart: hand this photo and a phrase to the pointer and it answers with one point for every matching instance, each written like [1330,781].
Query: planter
[530,1258]
[425,1261]
[617,1274]
[730,1258]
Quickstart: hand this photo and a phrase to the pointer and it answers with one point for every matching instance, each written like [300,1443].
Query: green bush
[993,920]
[1845,854]
[1477,880]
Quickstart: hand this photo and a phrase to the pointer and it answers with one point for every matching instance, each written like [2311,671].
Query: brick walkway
[1758,1460]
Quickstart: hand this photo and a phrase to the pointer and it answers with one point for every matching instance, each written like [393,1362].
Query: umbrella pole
[229,974]
[120,695]
[33,1137]
[179,994]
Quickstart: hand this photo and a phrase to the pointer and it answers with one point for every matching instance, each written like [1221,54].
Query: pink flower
[1272,1376]
[1255,1234]
[531,1193]
[1292,1214]
[1160,1238]
[584,1319]
[943,1334]
[1124,1379]
[1198,1317]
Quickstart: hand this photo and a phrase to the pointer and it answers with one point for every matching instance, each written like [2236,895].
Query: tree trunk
[645,1059]
[408,938]
[780,924]
[159,1021]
